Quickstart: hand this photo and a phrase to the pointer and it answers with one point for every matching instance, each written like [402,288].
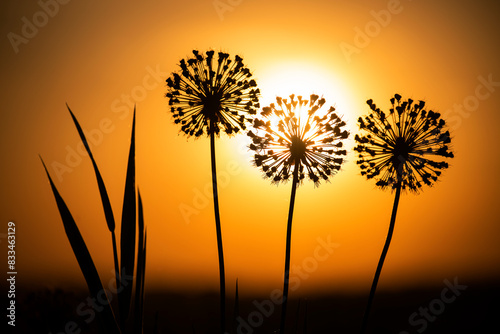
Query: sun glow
[303,79]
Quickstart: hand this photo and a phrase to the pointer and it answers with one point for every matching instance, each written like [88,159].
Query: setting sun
[300,77]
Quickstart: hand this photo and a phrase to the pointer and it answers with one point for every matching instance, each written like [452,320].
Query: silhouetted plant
[236,311]
[399,150]
[209,95]
[303,142]
[131,223]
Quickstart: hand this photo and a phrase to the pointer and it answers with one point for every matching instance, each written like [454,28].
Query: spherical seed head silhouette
[302,139]
[212,93]
[404,146]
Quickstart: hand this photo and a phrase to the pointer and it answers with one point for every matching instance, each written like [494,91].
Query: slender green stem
[219,237]
[288,247]
[382,258]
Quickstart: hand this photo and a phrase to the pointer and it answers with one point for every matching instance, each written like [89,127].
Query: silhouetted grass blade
[128,230]
[143,266]
[236,311]
[141,270]
[108,212]
[84,258]
[106,205]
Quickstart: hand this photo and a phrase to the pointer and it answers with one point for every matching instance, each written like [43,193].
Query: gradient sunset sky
[102,57]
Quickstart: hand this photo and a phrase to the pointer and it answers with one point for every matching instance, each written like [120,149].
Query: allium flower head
[302,138]
[209,95]
[402,146]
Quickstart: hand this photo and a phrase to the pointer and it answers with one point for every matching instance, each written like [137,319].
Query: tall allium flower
[206,96]
[303,142]
[210,95]
[401,150]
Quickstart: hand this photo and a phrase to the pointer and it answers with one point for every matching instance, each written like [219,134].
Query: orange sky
[101,57]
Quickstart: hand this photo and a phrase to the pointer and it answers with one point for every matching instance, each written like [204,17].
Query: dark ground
[475,310]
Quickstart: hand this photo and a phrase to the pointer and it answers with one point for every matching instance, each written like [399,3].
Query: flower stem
[382,258]
[288,246]
[117,266]
[219,236]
